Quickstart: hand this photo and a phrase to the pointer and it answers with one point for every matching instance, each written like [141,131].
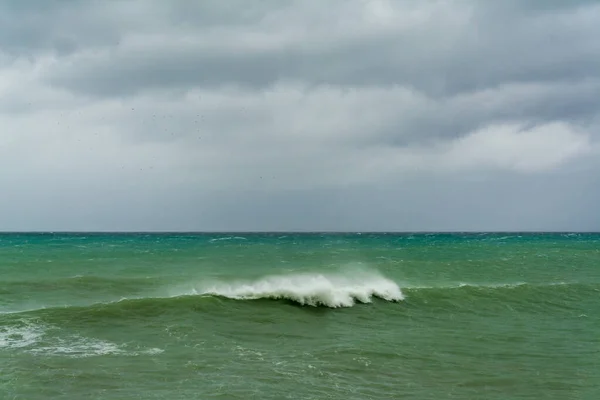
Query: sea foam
[313,289]
[22,335]
[42,340]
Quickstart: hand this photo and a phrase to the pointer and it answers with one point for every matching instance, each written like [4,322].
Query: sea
[299,316]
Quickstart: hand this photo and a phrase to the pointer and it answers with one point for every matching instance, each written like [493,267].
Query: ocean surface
[299,316]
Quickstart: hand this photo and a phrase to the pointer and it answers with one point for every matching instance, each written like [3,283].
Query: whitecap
[313,289]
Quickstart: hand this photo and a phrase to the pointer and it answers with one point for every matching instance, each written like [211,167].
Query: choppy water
[289,316]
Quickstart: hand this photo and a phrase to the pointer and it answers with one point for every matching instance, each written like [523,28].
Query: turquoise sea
[299,316]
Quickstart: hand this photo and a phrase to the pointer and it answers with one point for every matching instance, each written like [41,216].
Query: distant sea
[300,316]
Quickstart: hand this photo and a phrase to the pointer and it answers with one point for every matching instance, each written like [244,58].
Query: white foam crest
[491,285]
[221,239]
[330,290]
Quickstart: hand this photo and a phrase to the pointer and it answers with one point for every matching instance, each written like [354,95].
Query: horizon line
[290,231]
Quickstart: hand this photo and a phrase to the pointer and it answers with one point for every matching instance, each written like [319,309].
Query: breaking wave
[316,289]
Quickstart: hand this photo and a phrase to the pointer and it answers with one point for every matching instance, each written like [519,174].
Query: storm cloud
[299,115]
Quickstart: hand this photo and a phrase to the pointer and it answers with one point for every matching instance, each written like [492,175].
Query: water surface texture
[299,316]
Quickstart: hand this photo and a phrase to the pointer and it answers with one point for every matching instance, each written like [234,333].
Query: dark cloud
[276,115]
[468,50]
[31,28]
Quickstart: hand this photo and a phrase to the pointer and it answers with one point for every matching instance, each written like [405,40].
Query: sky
[299,115]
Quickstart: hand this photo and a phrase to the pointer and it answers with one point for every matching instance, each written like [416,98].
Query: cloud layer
[289,115]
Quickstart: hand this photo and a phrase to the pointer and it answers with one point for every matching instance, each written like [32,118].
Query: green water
[289,316]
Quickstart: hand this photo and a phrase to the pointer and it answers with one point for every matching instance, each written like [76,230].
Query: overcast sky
[300,115]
